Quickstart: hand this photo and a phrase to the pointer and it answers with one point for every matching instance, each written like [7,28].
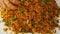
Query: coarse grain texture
[30,15]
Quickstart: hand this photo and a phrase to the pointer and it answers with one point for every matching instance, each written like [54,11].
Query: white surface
[58,2]
[57,31]
[2,24]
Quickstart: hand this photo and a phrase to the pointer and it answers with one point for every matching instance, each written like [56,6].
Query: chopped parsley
[46,2]
[14,18]
[21,9]
[47,31]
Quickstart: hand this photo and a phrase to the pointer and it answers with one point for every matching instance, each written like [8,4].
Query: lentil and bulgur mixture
[30,15]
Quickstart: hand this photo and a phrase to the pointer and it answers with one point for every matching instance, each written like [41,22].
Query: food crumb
[5,29]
